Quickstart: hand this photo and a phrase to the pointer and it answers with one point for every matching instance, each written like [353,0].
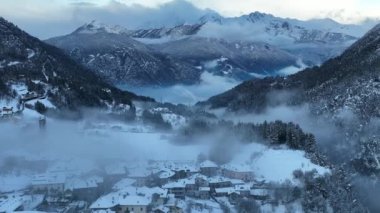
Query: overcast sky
[46,18]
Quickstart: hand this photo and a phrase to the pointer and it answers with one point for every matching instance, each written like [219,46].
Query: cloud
[306,9]
[46,19]
[64,18]
[210,85]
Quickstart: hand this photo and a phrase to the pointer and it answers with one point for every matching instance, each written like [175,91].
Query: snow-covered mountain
[45,72]
[96,27]
[229,58]
[343,95]
[314,41]
[249,45]
[348,82]
[126,57]
[112,54]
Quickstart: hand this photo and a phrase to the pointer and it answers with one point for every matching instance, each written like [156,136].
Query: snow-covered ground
[89,143]
[275,165]
[14,182]
[45,102]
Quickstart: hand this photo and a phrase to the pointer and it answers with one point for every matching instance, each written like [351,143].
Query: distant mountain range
[244,47]
[350,81]
[313,41]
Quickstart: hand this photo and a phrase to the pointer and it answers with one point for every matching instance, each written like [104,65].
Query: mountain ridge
[67,84]
[122,60]
[349,81]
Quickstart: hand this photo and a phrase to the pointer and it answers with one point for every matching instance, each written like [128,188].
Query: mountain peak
[257,16]
[375,29]
[369,43]
[98,27]
[7,27]
[211,17]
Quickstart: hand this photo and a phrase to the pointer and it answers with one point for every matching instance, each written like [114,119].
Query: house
[165,176]
[50,183]
[187,186]
[83,189]
[259,194]
[184,170]
[234,197]
[204,193]
[106,202]
[160,196]
[6,112]
[224,192]
[161,209]
[135,204]
[219,182]
[178,188]
[191,188]
[123,183]
[244,190]
[175,205]
[209,168]
[103,211]
[237,171]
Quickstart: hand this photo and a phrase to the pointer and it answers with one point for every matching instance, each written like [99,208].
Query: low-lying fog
[210,85]
[92,144]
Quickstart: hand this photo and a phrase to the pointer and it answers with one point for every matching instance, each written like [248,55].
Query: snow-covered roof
[139,194]
[77,183]
[31,212]
[176,165]
[228,190]
[166,174]
[236,182]
[244,187]
[186,167]
[181,183]
[106,201]
[48,178]
[10,204]
[177,184]
[204,189]
[162,209]
[208,164]
[218,179]
[134,201]
[103,211]
[144,191]
[126,182]
[198,176]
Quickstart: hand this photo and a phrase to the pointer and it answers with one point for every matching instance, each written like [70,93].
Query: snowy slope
[314,40]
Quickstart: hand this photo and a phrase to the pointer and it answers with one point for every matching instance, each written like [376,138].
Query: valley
[209,113]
